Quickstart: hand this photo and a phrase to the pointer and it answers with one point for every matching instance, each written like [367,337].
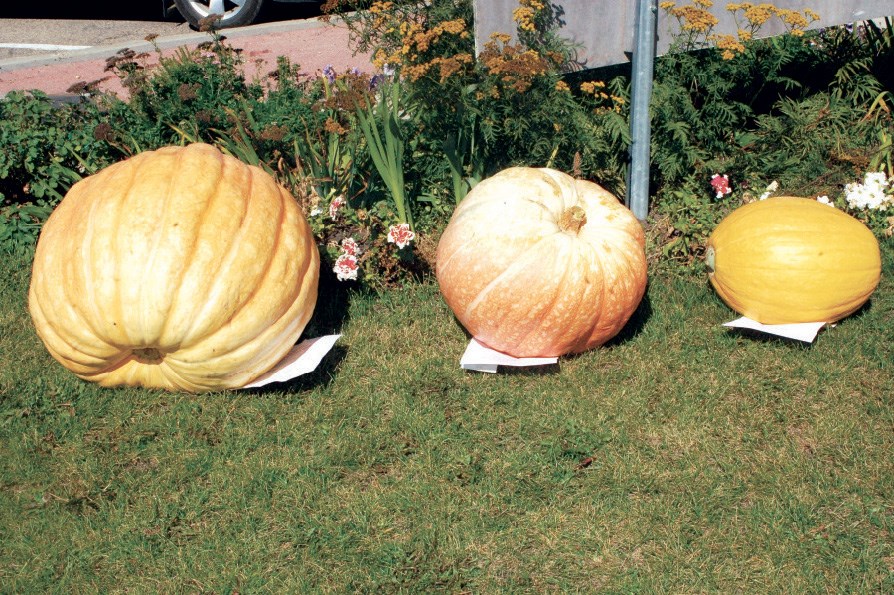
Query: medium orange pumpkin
[790,260]
[535,263]
[181,268]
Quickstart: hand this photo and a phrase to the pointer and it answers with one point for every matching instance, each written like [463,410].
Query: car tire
[234,15]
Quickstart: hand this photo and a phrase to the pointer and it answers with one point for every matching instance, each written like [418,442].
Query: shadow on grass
[332,310]
[321,377]
[331,314]
[636,324]
[634,327]
[766,338]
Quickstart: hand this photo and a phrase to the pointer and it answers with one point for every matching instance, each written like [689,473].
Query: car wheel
[234,13]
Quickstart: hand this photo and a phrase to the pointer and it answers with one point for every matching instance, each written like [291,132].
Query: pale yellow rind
[523,286]
[182,250]
[790,260]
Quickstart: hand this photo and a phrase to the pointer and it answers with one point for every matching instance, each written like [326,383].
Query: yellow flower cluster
[447,67]
[592,87]
[694,17]
[756,15]
[525,14]
[729,45]
[605,101]
[796,22]
[381,7]
[416,40]
[697,22]
[515,66]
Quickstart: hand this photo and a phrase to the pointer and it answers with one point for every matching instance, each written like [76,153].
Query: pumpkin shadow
[636,324]
[330,315]
[543,370]
[767,338]
[321,377]
[634,327]
[332,309]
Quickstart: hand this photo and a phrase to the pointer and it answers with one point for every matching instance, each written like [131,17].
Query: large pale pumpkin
[535,263]
[789,260]
[180,268]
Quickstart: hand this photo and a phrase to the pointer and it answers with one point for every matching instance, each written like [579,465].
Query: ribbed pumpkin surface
[788,260]
[180,268]
[535,263]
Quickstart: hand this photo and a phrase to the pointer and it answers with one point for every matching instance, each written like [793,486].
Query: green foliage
[791,109]
[810,111]
[20,226]
[811,143]
[681,221]
[381,123]
[44,149]
[475,116]
[191,90]
[40,145]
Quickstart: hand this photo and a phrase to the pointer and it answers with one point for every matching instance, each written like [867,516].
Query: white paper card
[804,331]
[302,359]
[479,358]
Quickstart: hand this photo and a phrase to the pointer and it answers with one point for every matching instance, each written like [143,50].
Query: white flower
[870,194]
[346,267]
[876,178]
[400,234]
[350,246]
[337,203]
[315,211]
[770,189]
[825,200]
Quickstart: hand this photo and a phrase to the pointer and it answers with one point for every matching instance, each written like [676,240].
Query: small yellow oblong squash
[788,260]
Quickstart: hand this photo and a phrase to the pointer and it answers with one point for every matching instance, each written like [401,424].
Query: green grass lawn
[683,457]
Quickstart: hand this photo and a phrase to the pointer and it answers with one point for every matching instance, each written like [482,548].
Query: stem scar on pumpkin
[573,219]
[148,355]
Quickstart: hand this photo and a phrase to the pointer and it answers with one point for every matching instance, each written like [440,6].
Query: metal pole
[643,66]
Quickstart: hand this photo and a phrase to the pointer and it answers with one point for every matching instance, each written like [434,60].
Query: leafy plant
[20,225]
[192,89]
[382,128]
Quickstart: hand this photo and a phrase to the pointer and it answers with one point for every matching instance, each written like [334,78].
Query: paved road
[308,42]
[42,38]
[23,28]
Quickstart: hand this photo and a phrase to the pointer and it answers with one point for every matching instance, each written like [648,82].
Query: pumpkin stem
[148,355]
[573,219]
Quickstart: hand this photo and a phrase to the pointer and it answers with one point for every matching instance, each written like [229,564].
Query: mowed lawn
[682,457]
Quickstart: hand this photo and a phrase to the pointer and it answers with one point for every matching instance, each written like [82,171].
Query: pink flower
[337,203]
[400,234]
[349,246]
[345,267]
[720,184]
